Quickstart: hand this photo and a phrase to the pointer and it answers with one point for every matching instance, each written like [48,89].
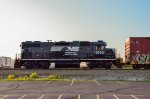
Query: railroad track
[78,69]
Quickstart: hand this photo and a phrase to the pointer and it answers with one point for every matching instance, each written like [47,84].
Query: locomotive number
[99,52]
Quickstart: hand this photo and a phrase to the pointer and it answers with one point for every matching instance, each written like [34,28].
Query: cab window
[98,47]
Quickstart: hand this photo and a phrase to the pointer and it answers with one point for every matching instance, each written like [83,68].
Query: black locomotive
[64,54]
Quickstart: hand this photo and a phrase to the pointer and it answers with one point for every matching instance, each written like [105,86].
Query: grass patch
[33,77]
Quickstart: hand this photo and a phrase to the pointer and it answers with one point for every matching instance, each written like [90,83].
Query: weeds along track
[80,74]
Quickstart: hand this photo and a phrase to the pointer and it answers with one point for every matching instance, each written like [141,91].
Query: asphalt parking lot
[74,90]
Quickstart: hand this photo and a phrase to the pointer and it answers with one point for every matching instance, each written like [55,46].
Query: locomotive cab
[104,57]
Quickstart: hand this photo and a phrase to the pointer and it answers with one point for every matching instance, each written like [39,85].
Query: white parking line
[23,82]
[116,96]
[134,97]
[78,96]
[97,83]
[22,97]
[41,97]
[122,83]
[97,96]
[4,97]
[59,96]
[47,83]
[130,95]
[71,83]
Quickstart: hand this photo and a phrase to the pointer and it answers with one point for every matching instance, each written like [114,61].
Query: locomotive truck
[62,54]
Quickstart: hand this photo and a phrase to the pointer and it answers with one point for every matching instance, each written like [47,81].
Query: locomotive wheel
[28,65]
[136,67]
[108,65]
[91,67]
[46,67]
[146,66]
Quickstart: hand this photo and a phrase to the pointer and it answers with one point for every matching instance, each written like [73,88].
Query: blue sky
[110,20]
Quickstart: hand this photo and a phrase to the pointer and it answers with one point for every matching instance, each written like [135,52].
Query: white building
[6,62]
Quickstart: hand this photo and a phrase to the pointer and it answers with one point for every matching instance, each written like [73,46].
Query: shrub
[10,77]
[51,77]
[33,75]
[19,78]
[58,77]
[25,77]
[1,77]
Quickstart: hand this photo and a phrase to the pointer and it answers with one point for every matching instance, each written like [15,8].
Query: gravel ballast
[128,75]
